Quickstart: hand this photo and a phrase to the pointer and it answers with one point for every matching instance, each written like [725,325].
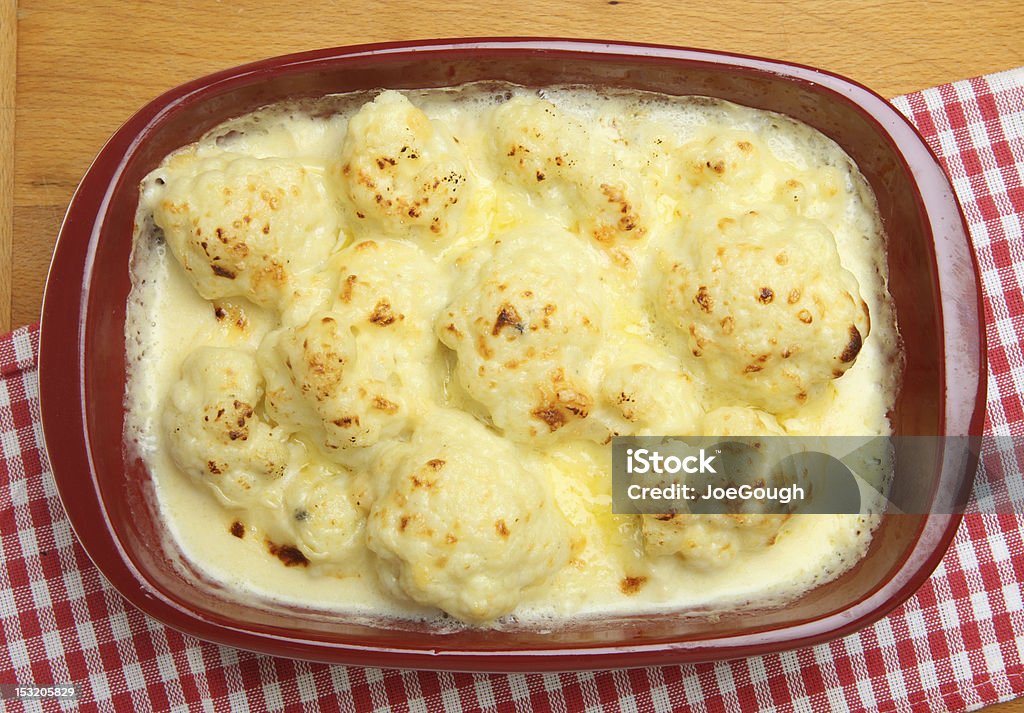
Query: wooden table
[85,67]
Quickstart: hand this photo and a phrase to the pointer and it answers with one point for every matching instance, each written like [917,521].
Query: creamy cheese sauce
[379,344]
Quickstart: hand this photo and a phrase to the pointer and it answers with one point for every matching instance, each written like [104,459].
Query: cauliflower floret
[332,380]
[739,171]
[465,522]
[709,541]
[524,328]
[245,227]
[549,154]
[643,396]
[767,311]
[532,331]
[712,541]
[535,142]
[719,161]
[740,421]
[319,510]
[403,175]
[357,371]
[214,432]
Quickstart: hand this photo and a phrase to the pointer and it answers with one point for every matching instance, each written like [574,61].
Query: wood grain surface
[8,43]
[85,67]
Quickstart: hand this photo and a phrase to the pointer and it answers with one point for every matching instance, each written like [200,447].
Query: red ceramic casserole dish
[108,496]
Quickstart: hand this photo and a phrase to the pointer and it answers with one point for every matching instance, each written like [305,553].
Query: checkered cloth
[955,645]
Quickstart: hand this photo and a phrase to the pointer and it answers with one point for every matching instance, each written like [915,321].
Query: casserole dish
[109,496]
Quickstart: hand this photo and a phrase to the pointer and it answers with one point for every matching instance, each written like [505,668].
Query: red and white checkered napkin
[955,645]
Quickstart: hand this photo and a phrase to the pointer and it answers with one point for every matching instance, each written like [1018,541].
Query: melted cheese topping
[380,345]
